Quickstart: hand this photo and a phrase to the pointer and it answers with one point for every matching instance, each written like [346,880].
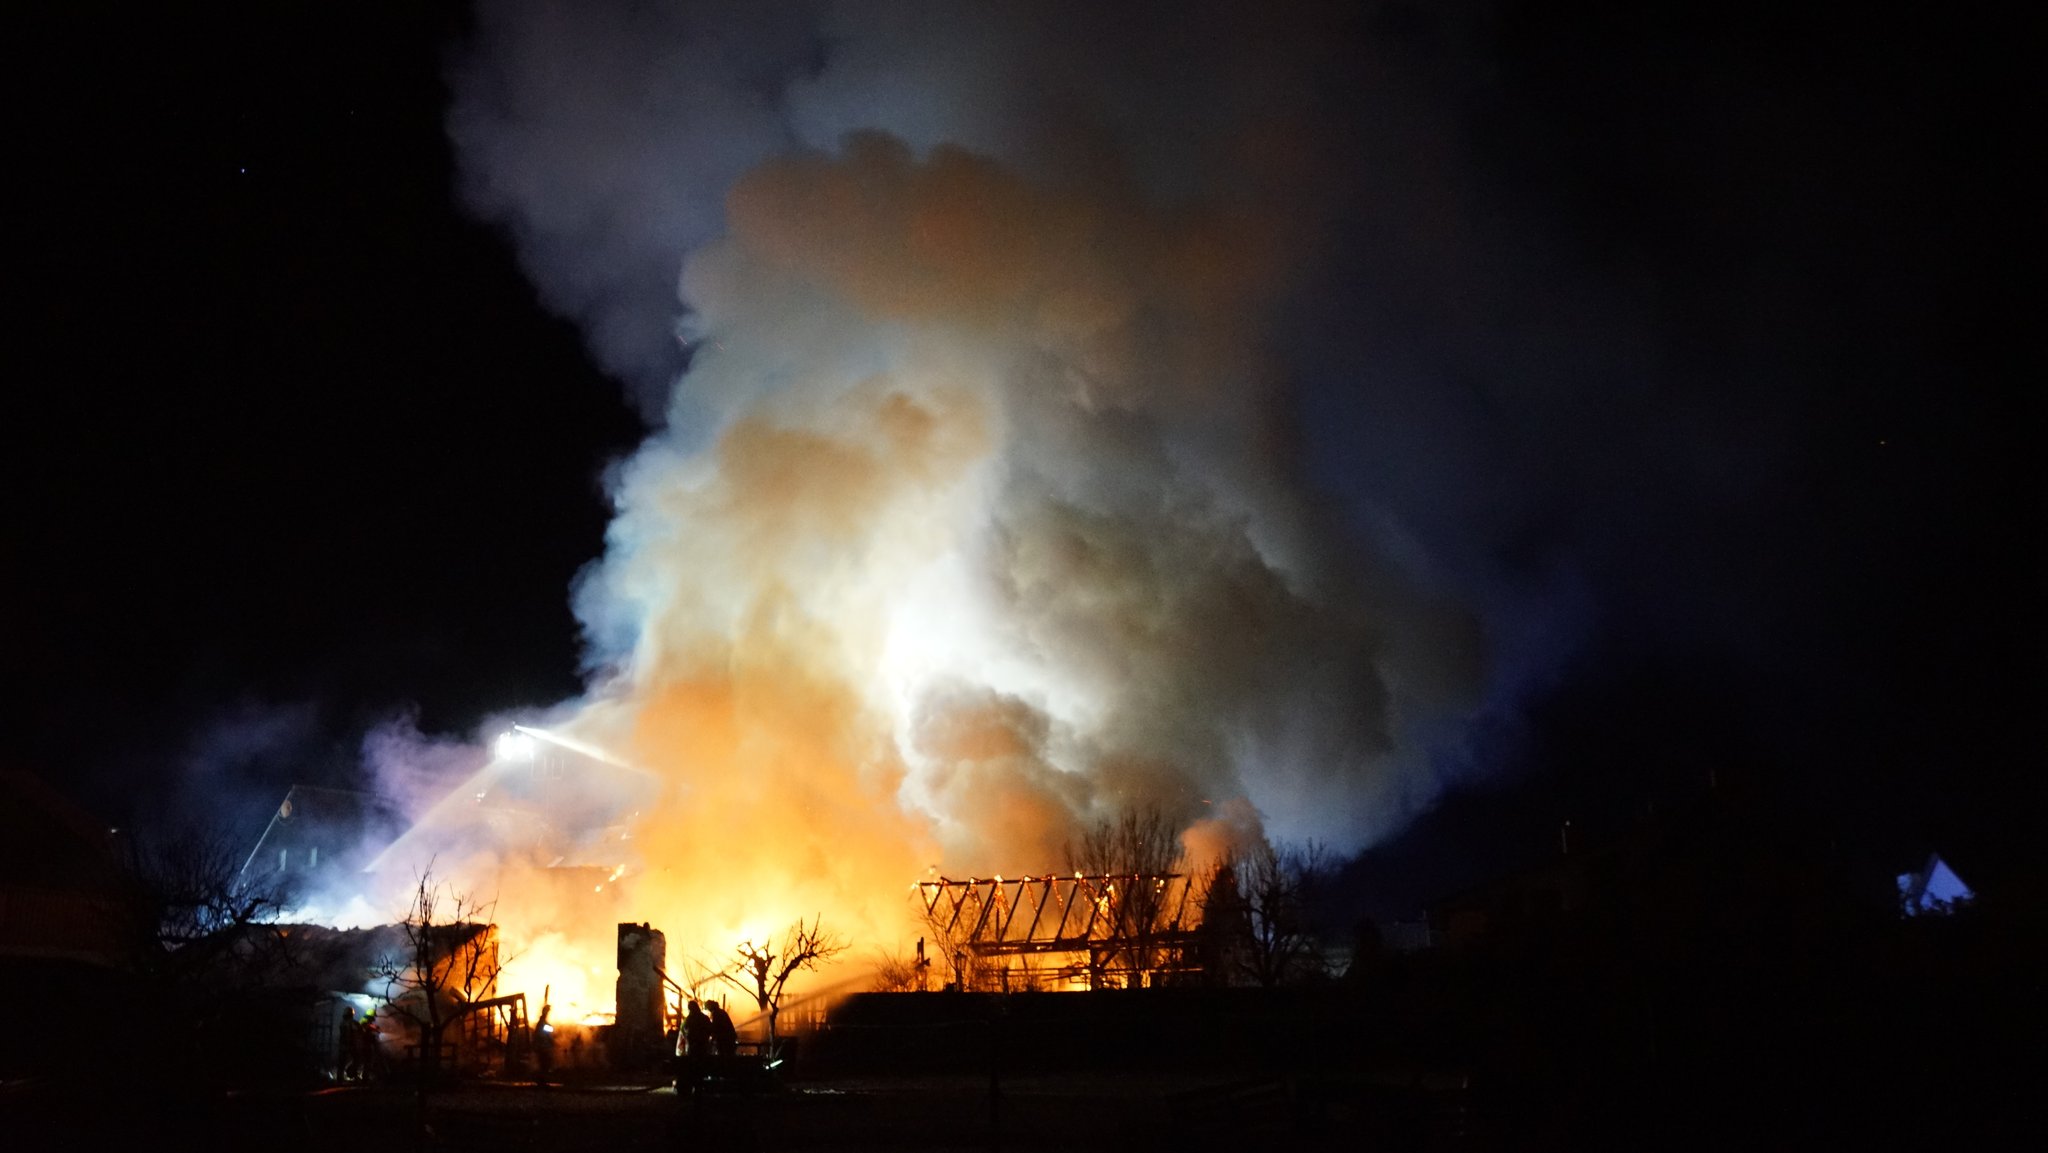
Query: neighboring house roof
[1933,888]
[318,829]
[62,894]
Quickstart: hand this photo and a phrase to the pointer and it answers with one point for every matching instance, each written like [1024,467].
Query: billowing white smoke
[973,518]
[985,463]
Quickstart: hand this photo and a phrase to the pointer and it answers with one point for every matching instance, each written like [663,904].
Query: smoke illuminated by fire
[972,523]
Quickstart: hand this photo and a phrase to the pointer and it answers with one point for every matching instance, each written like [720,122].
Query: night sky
[1690,352]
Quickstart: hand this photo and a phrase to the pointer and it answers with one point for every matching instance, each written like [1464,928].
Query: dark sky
[290,434]
[1715,401]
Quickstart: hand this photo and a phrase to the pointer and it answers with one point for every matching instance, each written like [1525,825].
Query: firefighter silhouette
[543,1044]
[725,1039]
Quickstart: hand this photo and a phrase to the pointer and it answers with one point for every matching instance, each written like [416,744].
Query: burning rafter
[1135,923]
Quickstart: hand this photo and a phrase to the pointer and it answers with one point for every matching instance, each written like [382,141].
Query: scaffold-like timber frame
[1131,924]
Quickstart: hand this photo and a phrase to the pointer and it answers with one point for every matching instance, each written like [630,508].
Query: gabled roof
[47,842]
[346,826]
[62,892]
[1933,888]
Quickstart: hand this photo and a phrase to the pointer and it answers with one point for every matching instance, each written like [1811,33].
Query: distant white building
[1934,889]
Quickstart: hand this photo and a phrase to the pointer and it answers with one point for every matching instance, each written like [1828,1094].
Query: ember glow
[970,524]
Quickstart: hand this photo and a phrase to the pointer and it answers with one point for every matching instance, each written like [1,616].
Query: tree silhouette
[1274,886]
[208,942]
[448,959]
[1259,916]
[1131,854]
[764,974]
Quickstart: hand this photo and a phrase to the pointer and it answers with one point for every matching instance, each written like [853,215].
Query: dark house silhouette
[320,832]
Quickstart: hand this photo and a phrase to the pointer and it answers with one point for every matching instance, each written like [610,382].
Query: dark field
[1043,1111]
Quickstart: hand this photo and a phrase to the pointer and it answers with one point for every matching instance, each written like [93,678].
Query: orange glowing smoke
[983,544]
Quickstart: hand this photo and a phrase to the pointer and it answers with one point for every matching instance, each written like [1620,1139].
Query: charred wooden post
[637,1036]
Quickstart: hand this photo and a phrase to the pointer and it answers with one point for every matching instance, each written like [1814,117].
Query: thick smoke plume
[974,517]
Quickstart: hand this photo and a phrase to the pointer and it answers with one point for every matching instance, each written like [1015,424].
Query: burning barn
[391,998]
[555,842]
[399,919]
[1063,932]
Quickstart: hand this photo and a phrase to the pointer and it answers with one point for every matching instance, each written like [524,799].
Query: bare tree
[197,888]
[697,976]
[1131,855]
[895,973]
[210,942]
[448,959]
[764,974]
[1275,886]
[950,939]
